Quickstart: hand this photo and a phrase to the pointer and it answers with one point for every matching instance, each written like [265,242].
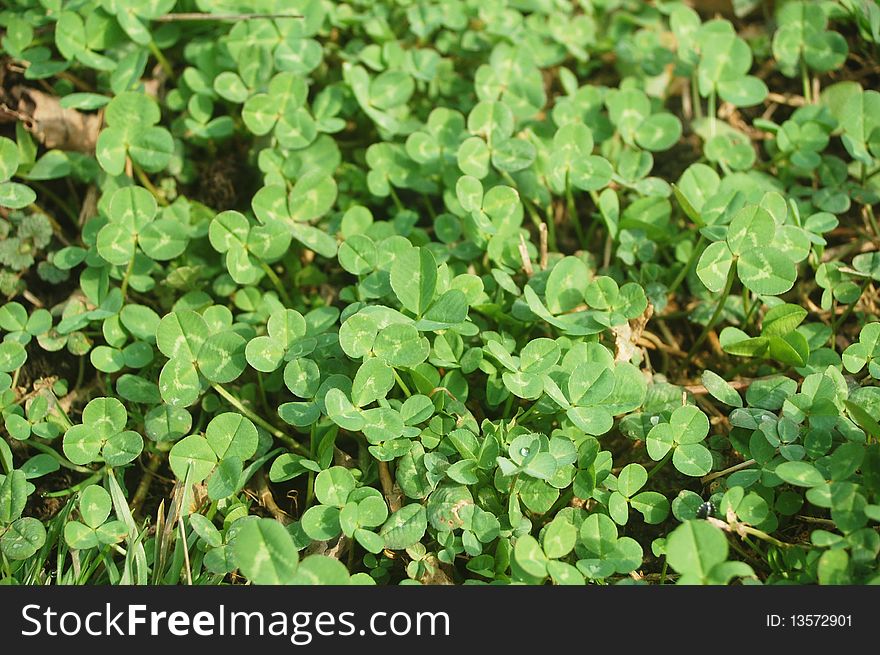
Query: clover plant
[468,292]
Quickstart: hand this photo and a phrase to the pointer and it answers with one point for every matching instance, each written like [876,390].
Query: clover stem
[869,211]
[276,282]
[163,61]
[805,80]
[722,300]
[760,534]
[527,412]
[682,274]
[733,371]
[845,315]
[533,213]
[292,443]
[92,479]
[751,313]
[527,202]
[262,391]
[128,272]
[659,465]
[663,571]
[395,198]
[591,231]
[743,552]
[508,404]
[572,212]
[711,110]
[80,371]
[695,94]
[731,469]
[562,501]
[145,181]
[400,383]
[212,511]
[551,229]
[310,485]
[429,206]
[54,197]
[195,16]
[143,488]
[61,459]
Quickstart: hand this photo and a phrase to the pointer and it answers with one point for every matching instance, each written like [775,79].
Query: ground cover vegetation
[459,292]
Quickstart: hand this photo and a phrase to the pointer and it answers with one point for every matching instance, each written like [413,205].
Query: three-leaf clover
[345,508]
[132,131]
[102,433]
[758,249]
[132,223]
[803,36]
[230,439]
[682,436]
[725,60]
[94,506]
[602,551]
[651,504]
[196,357]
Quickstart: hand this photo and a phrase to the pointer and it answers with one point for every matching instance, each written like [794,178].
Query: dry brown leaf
[89,206]
[342,458]
[434,572]
[392,492]
[626,336]
[524,256]
[332,548]
[53,125]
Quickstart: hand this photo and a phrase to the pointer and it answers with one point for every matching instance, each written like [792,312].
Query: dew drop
[524,451]
[655,420]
